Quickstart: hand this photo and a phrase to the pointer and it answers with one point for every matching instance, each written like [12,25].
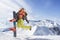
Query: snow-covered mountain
[46,27]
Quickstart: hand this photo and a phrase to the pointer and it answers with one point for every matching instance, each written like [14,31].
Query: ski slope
[37,33]
[4,36]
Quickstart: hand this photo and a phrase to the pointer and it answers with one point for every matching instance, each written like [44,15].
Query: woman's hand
[12,20]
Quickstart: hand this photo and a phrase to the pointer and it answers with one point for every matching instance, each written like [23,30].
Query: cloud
[24,5]
[7,6]
[10,4]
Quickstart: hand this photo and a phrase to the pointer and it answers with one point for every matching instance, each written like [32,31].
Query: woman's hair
[21,9]
[18,13]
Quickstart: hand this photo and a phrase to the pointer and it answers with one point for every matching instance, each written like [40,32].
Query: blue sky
[45,8]
[37,9]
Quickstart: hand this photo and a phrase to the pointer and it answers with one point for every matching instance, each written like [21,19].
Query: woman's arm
[12,20]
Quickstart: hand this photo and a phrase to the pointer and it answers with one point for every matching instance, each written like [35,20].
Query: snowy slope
[4,36]
[40,31]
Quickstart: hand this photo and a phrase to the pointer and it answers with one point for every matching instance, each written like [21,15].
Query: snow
[4,36]
[47,37]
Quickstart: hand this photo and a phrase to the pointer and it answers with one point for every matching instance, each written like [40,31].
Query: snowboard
[14,23]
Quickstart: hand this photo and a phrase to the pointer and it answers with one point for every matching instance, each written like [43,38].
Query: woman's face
[20,16]
[21,12]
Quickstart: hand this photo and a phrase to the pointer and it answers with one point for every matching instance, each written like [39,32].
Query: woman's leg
[20,24]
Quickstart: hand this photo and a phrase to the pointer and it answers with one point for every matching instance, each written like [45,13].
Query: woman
[20,19]
[24,14]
